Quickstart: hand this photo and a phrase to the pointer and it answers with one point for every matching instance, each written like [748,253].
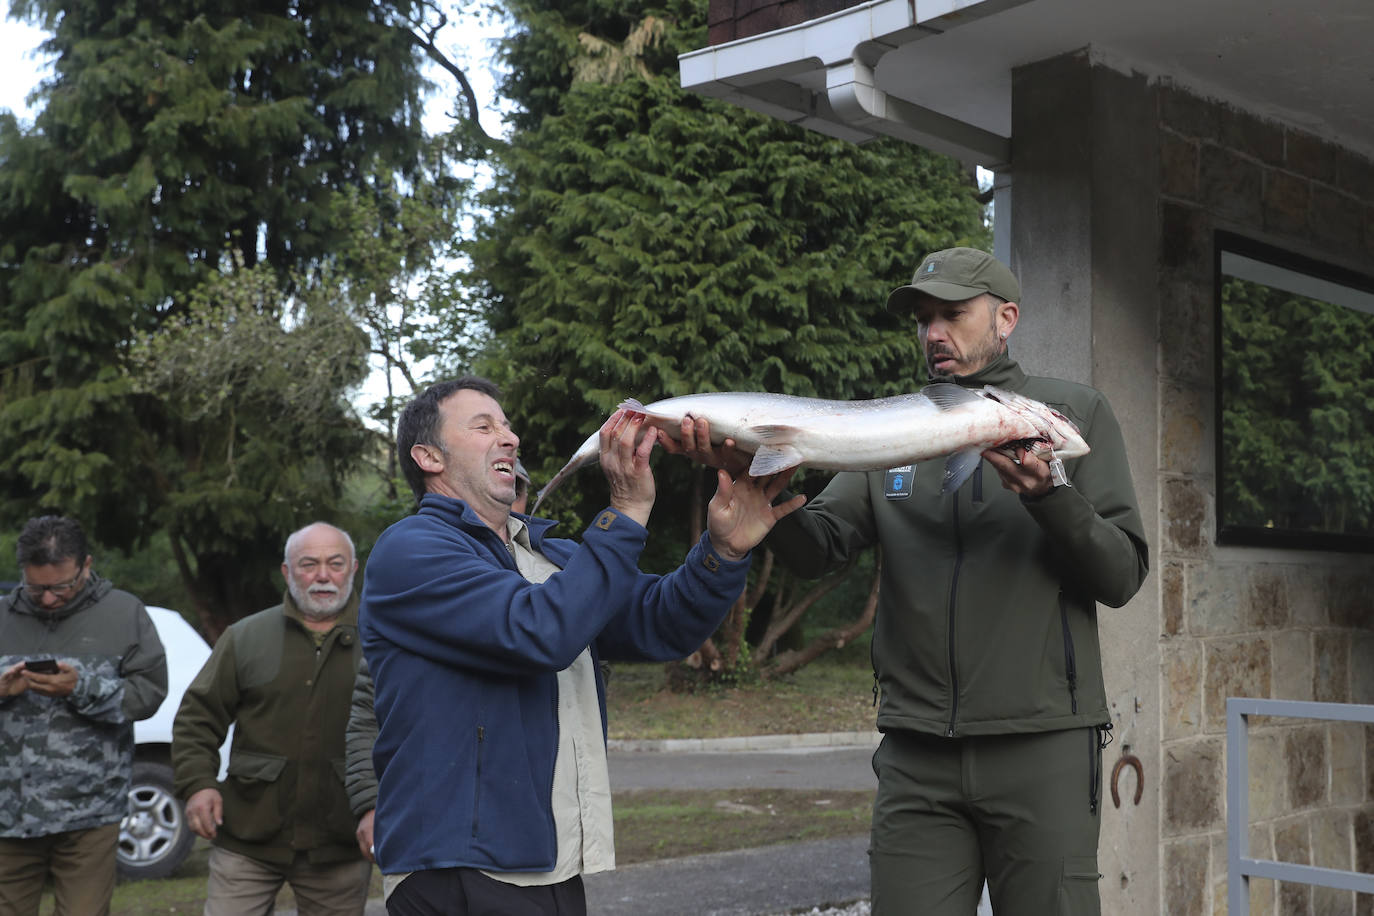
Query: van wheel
[154,837]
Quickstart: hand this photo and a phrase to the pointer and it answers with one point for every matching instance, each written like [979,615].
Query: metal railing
[1240,867]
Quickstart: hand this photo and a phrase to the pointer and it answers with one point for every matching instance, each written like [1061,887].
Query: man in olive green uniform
[985,644]
[283,678]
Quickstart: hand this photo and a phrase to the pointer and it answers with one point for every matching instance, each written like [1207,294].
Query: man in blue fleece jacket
[484,635]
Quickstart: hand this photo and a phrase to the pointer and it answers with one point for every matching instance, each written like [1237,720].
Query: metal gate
[1240,867]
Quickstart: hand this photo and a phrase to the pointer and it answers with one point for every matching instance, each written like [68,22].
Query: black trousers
[468,892]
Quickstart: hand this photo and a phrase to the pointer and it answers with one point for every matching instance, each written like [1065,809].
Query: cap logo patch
[930,268]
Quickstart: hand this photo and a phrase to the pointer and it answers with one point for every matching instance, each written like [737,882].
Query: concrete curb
[748,742]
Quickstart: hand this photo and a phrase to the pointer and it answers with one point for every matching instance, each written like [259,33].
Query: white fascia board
[816,42]
[830,39]
[841,51]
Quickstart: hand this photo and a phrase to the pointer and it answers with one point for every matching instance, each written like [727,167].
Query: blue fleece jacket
[465,653]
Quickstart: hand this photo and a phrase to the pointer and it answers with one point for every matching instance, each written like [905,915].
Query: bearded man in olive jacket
[283,678]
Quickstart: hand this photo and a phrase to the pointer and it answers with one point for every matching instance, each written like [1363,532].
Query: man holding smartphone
[80,662]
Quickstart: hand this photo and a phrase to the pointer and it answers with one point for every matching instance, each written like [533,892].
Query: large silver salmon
[783,431]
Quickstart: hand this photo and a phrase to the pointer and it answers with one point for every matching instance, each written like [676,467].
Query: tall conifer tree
[177,143]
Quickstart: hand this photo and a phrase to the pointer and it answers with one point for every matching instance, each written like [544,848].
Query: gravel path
[858,908]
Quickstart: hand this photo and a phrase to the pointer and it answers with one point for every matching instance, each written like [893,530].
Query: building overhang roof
[938,72]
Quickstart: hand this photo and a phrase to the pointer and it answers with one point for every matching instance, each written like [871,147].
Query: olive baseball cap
[955,274]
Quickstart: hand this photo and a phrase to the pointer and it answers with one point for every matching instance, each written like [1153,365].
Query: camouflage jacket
[65,762]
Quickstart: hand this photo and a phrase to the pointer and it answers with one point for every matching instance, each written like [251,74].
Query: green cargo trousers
[1022,811]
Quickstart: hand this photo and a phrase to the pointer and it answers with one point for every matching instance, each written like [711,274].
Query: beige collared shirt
[581,782]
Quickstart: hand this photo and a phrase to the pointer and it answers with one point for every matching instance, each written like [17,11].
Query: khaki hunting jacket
[288,701]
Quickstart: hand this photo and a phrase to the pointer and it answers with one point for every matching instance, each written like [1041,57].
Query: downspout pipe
[854,96]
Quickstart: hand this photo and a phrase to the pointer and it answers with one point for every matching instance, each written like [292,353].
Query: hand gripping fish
[782,431]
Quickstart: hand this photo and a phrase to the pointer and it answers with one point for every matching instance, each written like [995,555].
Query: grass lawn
[662,824]
[830,695]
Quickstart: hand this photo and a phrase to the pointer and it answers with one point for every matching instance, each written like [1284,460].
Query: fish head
[1057,431]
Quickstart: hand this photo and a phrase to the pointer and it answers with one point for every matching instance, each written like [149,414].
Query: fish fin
[958,468]
[588,453]
[770,431]
[946,395]
[631,404]
[544,492]
[771,459]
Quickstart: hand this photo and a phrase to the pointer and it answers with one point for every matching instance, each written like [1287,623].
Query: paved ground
[746,882]
[767,880]
[776,767]
[816,878]
[770,879]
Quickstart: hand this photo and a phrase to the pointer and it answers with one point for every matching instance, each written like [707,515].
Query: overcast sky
[20,68]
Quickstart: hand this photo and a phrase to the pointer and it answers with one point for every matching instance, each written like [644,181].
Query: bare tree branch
[787,662]
[753,596]
[793,612]
[422,34]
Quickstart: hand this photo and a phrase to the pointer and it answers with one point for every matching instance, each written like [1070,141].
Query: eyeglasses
[61,589]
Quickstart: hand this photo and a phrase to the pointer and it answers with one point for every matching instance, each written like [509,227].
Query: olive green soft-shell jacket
[987,610]
[288,702]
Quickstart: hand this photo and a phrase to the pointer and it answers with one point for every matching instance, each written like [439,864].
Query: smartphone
[42,665]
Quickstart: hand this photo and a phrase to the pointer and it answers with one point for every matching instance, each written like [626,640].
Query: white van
[154,837]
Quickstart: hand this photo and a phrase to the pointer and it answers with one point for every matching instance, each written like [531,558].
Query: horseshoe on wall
[1132,761]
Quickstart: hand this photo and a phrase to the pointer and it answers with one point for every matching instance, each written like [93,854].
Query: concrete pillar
[1084,244]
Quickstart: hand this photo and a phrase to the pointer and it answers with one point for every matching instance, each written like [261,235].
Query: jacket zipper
[1093,751]
[953,594]
[477,783]
[873,663]
[1070,666]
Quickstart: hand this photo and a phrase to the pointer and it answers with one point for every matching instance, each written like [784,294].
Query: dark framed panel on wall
[1295,400]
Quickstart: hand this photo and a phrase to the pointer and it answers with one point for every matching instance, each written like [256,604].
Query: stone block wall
[1244,621]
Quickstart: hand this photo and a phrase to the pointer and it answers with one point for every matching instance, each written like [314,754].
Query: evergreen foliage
[177,145]
[1297,391]
[262,441]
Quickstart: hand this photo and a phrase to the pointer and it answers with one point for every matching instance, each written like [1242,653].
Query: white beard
[320,604]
